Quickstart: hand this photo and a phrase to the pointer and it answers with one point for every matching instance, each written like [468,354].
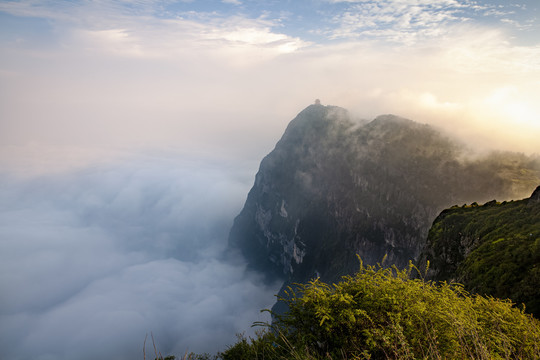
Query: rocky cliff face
[333,188]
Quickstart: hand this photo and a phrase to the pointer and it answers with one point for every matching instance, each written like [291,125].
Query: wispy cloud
[232,2]
[138,29]
[406,21]
[124,66]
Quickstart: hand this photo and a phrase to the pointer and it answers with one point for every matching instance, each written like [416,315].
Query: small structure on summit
[317,102]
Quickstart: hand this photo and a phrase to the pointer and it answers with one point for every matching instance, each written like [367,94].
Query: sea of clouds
[95,258]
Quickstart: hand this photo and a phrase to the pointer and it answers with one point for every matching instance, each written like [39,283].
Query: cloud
[145,29]
[232,2]
[408,21]
[95,258]
[203,99]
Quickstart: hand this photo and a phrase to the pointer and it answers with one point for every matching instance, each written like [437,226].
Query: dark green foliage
[384,314]
[492,249]
[266,345]
[204,356]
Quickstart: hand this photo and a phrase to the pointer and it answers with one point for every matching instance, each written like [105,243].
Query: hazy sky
[130,133]
[230,74]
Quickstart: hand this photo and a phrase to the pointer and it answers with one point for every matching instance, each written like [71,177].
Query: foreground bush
[384,314]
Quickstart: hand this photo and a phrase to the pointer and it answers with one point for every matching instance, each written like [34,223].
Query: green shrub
[384,314]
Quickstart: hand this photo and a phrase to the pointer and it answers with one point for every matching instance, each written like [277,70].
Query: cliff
[333,188]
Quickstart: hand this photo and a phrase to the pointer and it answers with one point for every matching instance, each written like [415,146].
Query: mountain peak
[314,122]
[331,190]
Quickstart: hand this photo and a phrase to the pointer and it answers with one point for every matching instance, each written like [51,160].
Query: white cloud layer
[94,259]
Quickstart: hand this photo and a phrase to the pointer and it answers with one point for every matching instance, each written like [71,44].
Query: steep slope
[492,249]
[333,188]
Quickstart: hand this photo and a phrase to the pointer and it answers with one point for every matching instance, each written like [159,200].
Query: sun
[510,104]
[521,113]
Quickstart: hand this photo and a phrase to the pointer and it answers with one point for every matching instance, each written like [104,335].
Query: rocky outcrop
[334,188]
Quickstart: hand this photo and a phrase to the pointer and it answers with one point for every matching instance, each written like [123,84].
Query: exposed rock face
[333,188]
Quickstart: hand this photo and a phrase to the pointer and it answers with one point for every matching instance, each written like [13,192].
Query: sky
[131,131]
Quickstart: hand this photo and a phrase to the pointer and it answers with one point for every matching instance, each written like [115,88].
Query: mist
[94,259]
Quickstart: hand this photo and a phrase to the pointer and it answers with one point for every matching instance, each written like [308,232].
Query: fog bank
[94,259]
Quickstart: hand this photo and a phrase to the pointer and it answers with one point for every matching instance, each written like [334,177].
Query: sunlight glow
[507,102]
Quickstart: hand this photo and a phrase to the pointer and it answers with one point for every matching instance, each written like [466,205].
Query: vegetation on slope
[384,314]
[492,249]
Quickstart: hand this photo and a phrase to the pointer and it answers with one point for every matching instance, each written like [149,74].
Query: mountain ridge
[333,188]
